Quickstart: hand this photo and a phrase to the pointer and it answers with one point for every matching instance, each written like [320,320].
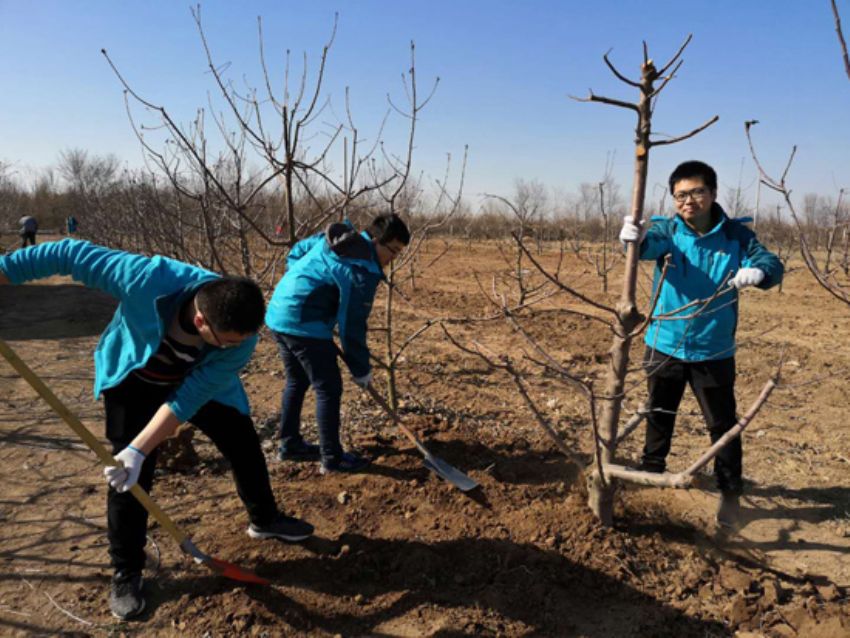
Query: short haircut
[694,168]
[232,304]
[387,227]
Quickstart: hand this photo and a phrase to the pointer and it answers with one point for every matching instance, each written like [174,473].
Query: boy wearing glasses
[708,251]
[330,280]
[172,353]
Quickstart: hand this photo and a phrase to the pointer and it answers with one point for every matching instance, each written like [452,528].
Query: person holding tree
[708,250]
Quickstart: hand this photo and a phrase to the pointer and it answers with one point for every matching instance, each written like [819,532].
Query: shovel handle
[392,413]
[397,420]
[88,438]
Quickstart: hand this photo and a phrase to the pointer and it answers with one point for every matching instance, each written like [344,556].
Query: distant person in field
[29,229]
[71,225]
[172,353]
[330,280]
[705,246]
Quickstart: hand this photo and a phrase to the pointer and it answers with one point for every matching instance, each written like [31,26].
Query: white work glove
[123,478]
[364,381]
[631,231]
[747,277]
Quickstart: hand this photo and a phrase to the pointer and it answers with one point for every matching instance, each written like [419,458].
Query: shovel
[228,570]
[437,465]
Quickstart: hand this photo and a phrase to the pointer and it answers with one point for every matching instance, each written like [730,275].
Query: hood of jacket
[346,242]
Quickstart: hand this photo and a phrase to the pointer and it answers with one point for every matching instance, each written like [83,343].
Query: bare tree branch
[698,129]
[841,40]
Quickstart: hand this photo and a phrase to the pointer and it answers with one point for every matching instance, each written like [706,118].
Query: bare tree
[410,266]
[525,209]
[628,318]
[269,167]
[605,395]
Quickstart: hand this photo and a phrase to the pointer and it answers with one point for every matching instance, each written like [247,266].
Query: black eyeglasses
[696,193]
[218,342]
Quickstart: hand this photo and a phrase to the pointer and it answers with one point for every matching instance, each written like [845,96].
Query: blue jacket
[330,279]
[149,290]
[698,266]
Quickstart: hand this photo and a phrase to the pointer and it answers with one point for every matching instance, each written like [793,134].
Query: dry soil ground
[398,552]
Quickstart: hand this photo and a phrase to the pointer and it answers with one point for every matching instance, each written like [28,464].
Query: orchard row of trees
[138,210]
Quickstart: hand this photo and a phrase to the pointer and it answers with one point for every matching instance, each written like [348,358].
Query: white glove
[747,277]
[364,381]
[123,478]
[631,231]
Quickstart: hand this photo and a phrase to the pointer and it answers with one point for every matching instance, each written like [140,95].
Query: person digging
[171,354]
[330,280]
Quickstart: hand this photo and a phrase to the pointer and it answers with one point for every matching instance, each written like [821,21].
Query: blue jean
[310,362]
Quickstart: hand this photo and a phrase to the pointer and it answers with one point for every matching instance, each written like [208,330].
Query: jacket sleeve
[757,256]
[112,271]
[356,294]
[658,240]
[218,372]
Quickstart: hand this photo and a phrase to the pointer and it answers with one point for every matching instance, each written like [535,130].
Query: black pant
[310,362]
[713,385]
[27,238]
[129,407]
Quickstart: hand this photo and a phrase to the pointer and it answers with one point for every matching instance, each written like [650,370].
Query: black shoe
[284,527]
[648,467]
[729,511]
[299,451]
[125,598]
[345,462]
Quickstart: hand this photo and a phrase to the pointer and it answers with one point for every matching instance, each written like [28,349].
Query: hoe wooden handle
[88,438]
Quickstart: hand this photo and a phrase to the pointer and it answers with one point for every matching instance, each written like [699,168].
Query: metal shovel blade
[449,472]
[437,465]
[228,570]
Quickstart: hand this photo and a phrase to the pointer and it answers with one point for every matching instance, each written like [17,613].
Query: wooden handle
[88,438]
[392,413]
[397,420]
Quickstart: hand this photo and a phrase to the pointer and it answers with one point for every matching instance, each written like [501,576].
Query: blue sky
[506,69]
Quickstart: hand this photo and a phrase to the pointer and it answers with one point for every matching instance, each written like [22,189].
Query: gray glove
[364,381]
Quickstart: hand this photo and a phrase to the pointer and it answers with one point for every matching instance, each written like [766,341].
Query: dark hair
[694,168]
[387,227]
[232,304]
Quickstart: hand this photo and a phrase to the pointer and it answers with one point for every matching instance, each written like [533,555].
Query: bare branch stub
[841,41]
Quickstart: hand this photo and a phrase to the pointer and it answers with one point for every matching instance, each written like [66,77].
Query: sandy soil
[398,552]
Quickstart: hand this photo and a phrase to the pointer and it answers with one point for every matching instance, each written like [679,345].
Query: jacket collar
[719,218]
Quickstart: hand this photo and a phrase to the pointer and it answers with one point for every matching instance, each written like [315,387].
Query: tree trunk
[600,489]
